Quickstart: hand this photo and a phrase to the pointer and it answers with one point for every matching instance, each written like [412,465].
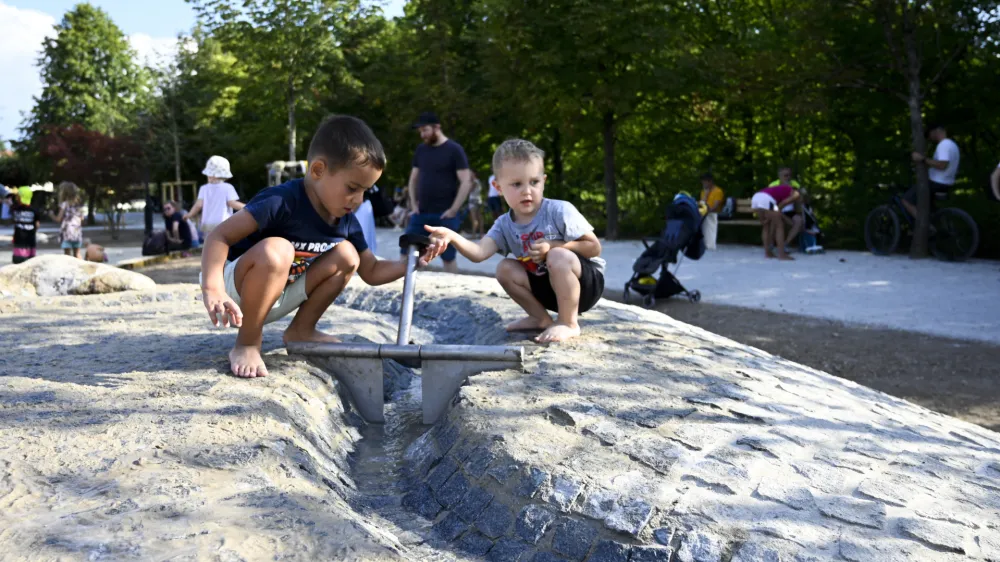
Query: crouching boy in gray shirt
[555,263]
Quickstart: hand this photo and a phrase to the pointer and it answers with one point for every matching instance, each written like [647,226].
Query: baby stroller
[682,234]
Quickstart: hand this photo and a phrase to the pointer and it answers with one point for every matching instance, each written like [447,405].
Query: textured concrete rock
[989,545]
[664,535]
[473,504]
[475,544]
[935,533]
[700,547]
[746,454]
[892,488]
[610,551]
[787,489]
[52,275]
[732,479]
[453,490]
[422,501]
[441,473]
[598,503]
[565,491]
[859,512]
[508,550]
[752,552]
[548,557]
[532,482]
[533,522]
[572,539]
[651,553]
[450,527]
[629,516]
[495,520]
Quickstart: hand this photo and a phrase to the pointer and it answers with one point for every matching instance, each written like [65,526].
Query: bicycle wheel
[956,235]
[882,230]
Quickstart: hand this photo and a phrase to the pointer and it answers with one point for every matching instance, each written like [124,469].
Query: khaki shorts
[291,298]
[207,228]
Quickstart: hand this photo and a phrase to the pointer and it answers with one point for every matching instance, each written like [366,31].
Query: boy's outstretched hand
[440,236]
[436,248]
[222,309]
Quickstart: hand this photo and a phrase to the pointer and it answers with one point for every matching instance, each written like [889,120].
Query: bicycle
[954,234]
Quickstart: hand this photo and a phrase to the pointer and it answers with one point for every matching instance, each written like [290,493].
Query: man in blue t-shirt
[440,181]
[296,245]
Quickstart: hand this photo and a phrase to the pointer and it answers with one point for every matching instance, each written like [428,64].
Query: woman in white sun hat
[217,200]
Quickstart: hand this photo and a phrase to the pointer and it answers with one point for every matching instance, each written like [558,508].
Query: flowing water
[379,474]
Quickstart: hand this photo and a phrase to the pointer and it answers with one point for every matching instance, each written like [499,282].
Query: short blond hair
[516,150]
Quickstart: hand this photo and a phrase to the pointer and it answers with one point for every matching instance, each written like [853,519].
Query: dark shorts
[933,186]
[494,205]
[591,287]
[416,226]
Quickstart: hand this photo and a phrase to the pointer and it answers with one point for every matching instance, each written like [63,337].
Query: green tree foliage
[291,52]
[631,99]
[89,77]
[90,82]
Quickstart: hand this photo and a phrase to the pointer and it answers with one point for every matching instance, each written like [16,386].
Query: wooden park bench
[742,216]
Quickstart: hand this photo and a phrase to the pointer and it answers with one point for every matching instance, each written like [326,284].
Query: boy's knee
[509,270]
[276,253]
[348,256]
[561,259]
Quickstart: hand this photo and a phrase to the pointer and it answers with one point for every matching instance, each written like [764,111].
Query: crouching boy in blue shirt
[296,245]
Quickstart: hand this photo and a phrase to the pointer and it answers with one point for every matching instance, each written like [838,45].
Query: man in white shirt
[942,168]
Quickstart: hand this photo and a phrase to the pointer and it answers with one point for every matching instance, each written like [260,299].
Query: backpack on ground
[155,244]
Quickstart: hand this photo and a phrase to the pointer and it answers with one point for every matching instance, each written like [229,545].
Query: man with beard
[440,181]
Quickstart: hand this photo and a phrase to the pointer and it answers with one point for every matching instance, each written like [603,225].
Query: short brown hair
[345,141]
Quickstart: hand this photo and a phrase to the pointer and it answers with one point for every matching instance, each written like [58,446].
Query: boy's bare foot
[245,362]
[558,332]
[528,324]
[769,255]
[785,257]
[314,335]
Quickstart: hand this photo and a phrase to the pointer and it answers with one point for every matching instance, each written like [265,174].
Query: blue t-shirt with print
[284,211]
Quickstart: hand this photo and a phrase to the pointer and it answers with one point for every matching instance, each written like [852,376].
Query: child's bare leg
[779,235]
[260,277]
[514,280]
[67,252]
[564,274]
[325,279]
[765,233]
[76,252]
[796,227]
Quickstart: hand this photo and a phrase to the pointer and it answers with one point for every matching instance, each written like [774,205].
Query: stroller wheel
[695,296]
[648,301]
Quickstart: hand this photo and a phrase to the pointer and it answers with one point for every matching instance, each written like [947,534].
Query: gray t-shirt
[555,220]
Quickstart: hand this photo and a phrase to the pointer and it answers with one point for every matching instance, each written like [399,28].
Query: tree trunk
[177,155]
[915,99]
[291,121]
[610,189]
[91,205]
